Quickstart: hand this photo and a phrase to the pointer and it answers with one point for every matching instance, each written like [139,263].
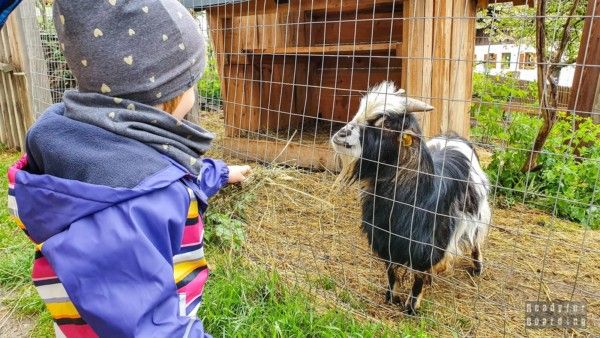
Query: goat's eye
[387,124]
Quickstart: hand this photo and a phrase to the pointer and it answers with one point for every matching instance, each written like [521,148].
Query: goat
[423,203]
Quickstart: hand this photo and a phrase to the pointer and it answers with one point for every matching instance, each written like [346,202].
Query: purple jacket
[120,229]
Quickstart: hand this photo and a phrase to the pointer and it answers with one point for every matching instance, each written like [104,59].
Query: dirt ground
[307,228]
[12,325]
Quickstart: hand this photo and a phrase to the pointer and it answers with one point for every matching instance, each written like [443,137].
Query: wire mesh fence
[519,79]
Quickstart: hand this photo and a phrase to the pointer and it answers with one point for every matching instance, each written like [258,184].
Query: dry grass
[307,228]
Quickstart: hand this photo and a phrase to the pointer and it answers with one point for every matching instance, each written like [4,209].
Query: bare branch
[565,34]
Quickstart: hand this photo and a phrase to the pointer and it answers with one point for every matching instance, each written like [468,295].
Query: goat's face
[382,129]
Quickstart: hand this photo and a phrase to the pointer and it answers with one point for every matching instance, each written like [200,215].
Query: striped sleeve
[67,321]
[13,208]
[189,265]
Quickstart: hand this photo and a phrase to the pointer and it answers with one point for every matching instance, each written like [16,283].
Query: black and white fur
[423,203]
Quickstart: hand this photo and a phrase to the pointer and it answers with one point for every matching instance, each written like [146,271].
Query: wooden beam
[596,107]
[461,67]
[310,156]
[485,3]
[269,6]
[417,52]
[587,72]
[328,50]
[6,68]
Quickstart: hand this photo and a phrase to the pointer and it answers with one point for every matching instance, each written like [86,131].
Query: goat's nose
[344,132]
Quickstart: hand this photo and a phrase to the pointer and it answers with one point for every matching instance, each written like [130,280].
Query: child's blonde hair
[172,104]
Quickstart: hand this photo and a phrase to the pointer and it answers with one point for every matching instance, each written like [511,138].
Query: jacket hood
[66,175]
[46,205]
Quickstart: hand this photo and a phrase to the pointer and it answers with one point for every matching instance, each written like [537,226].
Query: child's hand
[237,173]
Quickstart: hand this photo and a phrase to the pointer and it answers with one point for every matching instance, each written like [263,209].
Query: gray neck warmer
[182,141]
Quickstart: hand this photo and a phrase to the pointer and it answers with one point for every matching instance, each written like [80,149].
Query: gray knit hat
[147,51]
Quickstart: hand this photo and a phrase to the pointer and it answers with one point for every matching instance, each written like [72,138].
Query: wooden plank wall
[15,107]
[336,81]
[266,92]
[285,82]
[461,67]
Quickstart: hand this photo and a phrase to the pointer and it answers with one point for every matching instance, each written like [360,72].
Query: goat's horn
[413,105]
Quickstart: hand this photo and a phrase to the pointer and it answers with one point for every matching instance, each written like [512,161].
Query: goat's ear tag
[407,140]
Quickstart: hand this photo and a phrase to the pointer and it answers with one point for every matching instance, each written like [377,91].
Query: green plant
[223,230]
[209,86]
[491,94]
[225,218]
[566,181]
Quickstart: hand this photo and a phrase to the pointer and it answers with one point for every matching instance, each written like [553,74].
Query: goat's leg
[414,299]
[389,294]
[477,257]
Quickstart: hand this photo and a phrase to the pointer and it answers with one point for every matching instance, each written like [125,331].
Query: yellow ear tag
[407,140]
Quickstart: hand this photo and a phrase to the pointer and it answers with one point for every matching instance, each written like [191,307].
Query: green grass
[240,300]
[16,255]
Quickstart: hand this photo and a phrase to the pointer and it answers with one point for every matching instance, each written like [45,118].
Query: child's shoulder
[70,149]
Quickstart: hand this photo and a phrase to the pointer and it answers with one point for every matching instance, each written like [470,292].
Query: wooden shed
[293,71]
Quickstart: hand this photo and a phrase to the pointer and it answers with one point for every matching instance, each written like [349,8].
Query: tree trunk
[548,72]
[540,44]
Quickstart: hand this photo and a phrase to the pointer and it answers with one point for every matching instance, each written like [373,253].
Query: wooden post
[584,92]
[461,67]
[438,50]
[417,42]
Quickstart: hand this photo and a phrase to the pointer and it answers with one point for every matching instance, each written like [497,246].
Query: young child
[113,186]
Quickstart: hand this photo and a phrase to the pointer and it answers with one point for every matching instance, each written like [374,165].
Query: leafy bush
[567,178]
[209,85]
[492,93]
[223,230]
[225,218]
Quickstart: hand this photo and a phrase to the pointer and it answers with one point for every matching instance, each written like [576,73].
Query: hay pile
[305,227]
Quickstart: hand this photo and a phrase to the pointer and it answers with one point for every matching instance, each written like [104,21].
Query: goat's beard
[347,164]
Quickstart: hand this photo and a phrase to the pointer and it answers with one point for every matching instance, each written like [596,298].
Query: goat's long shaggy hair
[423,202]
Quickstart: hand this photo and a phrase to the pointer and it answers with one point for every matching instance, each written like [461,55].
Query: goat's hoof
[476,270]
[391,299]
[409,310]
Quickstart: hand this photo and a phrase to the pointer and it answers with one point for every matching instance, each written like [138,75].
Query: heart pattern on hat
[104,48]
